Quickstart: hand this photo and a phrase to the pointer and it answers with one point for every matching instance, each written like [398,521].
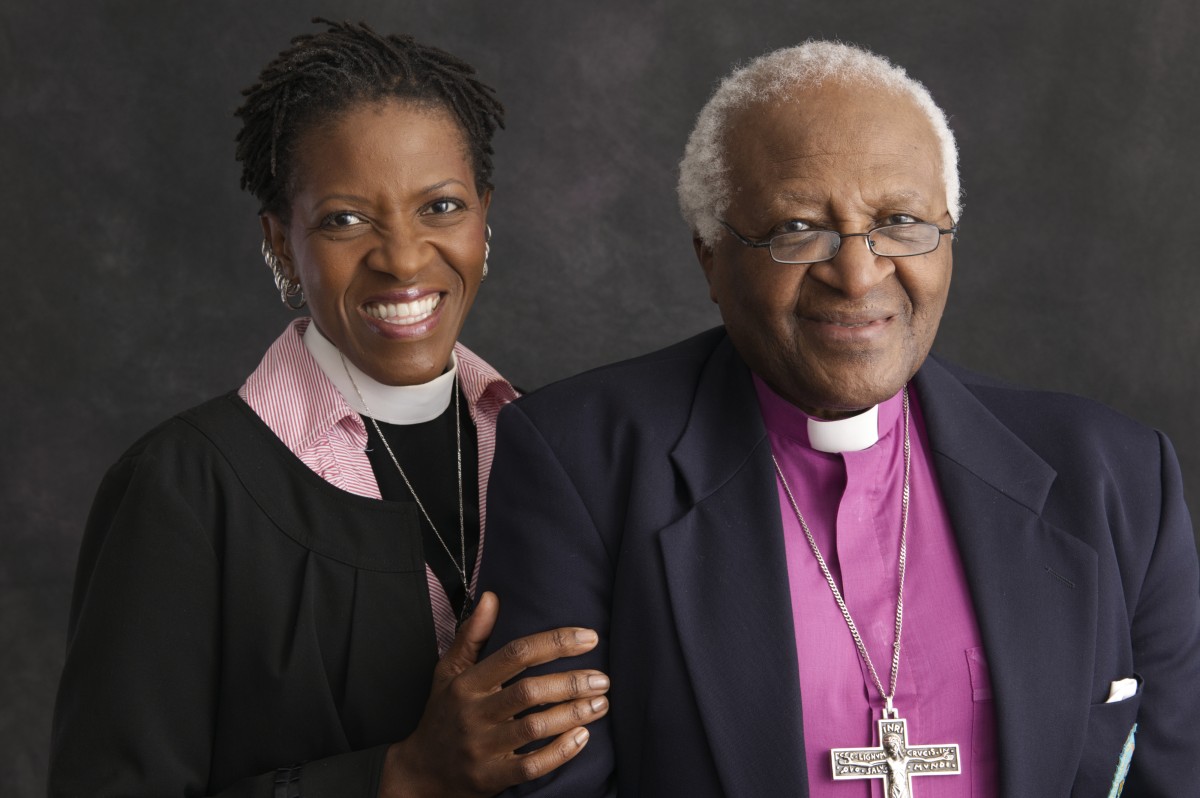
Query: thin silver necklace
[459,566]
[887,695]
[893,760]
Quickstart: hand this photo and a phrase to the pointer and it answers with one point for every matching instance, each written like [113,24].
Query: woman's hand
[466,743]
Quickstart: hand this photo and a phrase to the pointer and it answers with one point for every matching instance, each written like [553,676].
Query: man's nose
[854,269]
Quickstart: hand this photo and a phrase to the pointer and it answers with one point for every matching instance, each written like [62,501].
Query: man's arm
[1166,649]
[548,564]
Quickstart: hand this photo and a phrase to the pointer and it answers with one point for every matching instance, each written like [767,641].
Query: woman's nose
[402,255]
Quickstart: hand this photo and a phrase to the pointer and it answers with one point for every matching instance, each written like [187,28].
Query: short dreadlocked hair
[322,74]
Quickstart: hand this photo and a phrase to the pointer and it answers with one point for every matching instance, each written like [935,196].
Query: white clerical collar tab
[391,404]
[845,434]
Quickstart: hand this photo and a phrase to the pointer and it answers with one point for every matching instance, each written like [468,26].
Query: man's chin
[842,396]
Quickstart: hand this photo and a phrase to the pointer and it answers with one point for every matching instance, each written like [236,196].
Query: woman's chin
[415,367]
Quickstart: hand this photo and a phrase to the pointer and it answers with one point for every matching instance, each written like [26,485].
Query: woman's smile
[403,318]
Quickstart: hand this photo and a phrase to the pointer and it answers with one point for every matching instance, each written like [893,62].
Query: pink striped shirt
[851,503]
[292,395]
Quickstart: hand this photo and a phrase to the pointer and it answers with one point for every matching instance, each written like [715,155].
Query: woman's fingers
[470,640]
[474,724]
[521,768]
[535,691]
[550,722]
[526,652]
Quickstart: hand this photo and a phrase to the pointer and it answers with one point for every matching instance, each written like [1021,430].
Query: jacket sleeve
[1166,648]
[549,567]
[138,698]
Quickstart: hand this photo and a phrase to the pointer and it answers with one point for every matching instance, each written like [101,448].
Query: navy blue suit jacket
[639,499]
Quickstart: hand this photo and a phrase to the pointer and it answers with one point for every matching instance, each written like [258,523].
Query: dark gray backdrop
[134,287]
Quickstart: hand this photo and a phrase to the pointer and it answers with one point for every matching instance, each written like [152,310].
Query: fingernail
[585,636]
[598,681]
[581,736]
[599,703]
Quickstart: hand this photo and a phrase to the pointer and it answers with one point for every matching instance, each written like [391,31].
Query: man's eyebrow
[902,197]
[801,197]
[887,198]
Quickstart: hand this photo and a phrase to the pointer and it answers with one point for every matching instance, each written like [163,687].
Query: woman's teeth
[404,312]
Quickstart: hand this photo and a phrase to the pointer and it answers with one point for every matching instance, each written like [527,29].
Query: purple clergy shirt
[851,503]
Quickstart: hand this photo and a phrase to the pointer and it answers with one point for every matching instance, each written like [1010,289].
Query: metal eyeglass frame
[952,230]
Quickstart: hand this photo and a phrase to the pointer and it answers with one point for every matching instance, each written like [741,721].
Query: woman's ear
[275,233]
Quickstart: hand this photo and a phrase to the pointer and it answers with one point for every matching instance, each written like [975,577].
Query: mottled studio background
[133,285]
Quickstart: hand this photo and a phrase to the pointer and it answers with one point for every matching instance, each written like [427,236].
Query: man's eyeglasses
[814,246]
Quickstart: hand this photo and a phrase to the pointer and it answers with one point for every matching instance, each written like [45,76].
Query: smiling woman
[276,590]
[387,236]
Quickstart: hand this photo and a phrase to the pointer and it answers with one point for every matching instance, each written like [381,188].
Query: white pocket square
[1121,689]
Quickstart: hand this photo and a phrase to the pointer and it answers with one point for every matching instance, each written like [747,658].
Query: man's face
[838,336]
[891,745]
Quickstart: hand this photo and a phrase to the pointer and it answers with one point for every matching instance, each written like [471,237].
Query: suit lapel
[728,584]
[1034,586]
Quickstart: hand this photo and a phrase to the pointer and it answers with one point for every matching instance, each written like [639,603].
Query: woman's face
[386,236]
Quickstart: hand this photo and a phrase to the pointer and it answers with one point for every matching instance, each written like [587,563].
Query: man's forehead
[793,147]
[880,194]
[838,115]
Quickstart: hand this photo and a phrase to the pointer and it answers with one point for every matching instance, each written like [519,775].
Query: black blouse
[428,454]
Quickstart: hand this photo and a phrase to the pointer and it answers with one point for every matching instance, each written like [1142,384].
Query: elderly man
[820,562]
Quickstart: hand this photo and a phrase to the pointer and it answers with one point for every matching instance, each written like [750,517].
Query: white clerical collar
[851,434]
[391,404]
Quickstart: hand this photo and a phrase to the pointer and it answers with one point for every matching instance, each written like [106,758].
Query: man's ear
[275,233]
[704,254]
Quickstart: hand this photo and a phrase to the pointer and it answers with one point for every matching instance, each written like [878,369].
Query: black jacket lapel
[728,583]
[1033,585]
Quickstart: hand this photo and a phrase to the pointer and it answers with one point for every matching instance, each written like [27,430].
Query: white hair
[704,185]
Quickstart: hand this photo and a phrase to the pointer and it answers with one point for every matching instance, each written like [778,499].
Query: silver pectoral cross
[894,761]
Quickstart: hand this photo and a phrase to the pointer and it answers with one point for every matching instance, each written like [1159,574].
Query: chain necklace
[459,565]
[886,695]
[892,759]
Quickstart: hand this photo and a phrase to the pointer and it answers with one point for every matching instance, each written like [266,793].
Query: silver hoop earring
[487,249]
[288,289]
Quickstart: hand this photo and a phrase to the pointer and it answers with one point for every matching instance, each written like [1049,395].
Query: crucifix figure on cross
[894,761]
